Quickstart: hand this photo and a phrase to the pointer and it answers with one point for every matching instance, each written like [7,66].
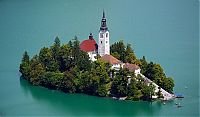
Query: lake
[165,31]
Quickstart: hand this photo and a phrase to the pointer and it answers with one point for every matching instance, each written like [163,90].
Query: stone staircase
[166,95]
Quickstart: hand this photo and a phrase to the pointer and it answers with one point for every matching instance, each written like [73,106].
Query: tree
[102,90]
[88,83]
[149,71]
[133,92]
[118,48]
[25,57]
[84,62]
[69,84]
[25,70]
[119,84]
[143,65]
[100,80]
[76,50]
[52,80]
[116,55]
[129,54]
[46,58]
[102,70]
[57,42]
[25,66]
[147,91]
[65,58]
[37,71]
[55,49]
[168,84]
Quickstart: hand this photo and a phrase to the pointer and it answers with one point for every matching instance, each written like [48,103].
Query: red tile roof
[88,45]
[109,58]
[131,67]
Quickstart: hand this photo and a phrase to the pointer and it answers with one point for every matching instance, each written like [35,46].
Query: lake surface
[165,31]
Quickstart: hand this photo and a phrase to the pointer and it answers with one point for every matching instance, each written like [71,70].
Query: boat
[179,96]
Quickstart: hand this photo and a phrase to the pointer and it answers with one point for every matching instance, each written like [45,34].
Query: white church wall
[137,71]
[92,55]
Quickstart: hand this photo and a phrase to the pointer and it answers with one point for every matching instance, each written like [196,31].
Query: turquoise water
[165,31]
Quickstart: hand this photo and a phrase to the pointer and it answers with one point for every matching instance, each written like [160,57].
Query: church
[103,49]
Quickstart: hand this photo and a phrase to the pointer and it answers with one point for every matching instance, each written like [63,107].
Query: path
[167,95]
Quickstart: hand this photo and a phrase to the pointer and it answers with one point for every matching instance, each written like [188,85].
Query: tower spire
[104,41]
[103,14]
[103,23]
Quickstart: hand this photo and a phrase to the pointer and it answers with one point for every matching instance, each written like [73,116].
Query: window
[101,35]
[106,41]
[106,34]
[101,42]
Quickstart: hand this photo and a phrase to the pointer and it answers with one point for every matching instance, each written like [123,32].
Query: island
[97,69]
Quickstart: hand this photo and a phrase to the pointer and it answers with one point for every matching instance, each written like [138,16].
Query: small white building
[132,67]
[90,46]
[116,64]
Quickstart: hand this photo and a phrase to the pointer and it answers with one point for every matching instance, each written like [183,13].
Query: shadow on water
[84,105]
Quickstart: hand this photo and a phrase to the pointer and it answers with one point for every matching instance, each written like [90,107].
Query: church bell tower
[104,44]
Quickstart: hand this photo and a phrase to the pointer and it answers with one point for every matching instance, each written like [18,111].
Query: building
[103,49]
[90,46]
[132,67]
[116,64]
[104,42]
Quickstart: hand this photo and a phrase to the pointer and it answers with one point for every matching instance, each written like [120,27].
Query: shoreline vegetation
[68,69]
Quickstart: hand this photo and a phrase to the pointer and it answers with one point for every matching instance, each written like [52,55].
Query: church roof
[110,59]
[131,67]
[89,44]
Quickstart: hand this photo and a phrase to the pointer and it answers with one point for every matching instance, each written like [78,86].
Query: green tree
[25,57]
[37,71]
[52,80]
[84,63]
[46,58]
[65,58]
[55,49]
[102,70]
[119,84]
[25,66]
[129,54]
[118,48]
[69,82]
[133,92]
[116,55]
[102,90]
[88,83]
[76,50]
[168,84]
[149,71]
[147,91]
[143,65]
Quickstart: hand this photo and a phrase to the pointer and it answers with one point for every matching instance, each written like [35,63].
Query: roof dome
[89,44]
